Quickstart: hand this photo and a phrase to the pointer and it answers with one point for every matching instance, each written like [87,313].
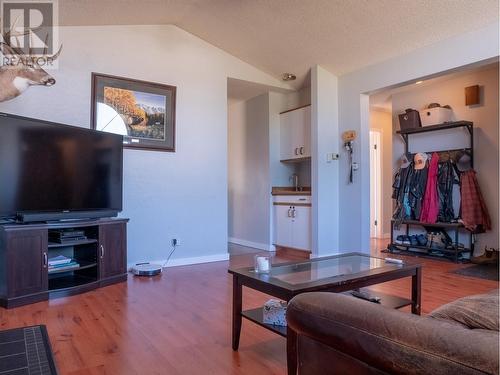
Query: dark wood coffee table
[337,274]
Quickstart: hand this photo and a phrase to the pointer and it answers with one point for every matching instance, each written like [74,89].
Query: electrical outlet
[175,242]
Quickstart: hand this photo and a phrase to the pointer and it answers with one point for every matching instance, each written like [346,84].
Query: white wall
[182,194]
[381,121]
[248,173]
[325,175]
[354,200]
[485,118]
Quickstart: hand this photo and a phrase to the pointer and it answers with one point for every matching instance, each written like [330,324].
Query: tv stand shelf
[25,276]
[53,245]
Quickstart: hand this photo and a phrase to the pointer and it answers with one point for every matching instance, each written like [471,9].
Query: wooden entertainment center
[26,248]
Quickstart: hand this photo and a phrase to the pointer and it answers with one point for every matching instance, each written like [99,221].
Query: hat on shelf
[404,162]
[437,105]
[420,159]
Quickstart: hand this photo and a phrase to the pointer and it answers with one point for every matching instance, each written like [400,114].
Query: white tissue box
[274,312]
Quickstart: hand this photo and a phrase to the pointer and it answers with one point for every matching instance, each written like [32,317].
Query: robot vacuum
[146,269]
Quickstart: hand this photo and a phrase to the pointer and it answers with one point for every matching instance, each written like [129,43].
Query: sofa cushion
[475,312]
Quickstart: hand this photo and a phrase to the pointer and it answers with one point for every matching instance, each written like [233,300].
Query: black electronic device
[51,171]
[366,296]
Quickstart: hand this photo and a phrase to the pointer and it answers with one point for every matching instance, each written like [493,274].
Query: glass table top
[319,270]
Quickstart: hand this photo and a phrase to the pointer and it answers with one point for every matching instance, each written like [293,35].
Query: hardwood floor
[180,323]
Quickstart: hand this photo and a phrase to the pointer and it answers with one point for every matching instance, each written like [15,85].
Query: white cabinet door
[306,137]
[295,138]
[287,121]
[301,228]
[282,226]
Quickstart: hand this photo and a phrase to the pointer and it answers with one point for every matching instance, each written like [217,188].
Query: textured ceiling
[292,35]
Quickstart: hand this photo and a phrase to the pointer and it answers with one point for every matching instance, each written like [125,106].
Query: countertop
[290,190]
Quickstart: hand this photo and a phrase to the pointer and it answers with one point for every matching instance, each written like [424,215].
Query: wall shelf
[443,126]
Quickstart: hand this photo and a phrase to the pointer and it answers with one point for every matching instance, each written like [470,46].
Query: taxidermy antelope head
[20,71]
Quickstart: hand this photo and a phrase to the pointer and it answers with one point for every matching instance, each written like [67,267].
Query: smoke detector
[288,77]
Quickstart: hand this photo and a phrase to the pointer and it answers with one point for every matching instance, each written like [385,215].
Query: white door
[301,135]
[301,228]
[282,225]
[307,132]
[286,135]
[375,184]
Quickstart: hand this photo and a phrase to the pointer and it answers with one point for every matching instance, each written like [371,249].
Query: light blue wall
[166,195]
[325,174]
[447,55]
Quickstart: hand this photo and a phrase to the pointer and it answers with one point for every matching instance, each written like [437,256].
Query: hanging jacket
[418,182]
[409,187]
[399,192]
[474,212]
[430,205]
[446,179]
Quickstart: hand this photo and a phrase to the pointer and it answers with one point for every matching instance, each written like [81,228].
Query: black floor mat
[481,271]
[26,351]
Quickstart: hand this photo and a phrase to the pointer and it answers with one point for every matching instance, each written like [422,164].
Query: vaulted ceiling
[292,35]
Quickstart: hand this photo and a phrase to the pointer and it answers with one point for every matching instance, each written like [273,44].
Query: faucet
[295,179]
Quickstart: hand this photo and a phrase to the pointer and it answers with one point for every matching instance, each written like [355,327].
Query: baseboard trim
[291,252]
[188,261]
[255,245]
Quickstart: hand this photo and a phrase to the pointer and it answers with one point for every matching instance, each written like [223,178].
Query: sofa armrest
[390,340]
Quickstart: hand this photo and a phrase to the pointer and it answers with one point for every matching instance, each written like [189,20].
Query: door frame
[376,183]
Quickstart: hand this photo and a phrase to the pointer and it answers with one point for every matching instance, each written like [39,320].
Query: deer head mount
[20,70]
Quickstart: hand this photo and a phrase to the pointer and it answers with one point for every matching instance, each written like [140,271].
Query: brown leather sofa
[340,334]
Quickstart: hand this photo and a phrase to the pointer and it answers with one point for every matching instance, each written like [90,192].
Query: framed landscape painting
[143,112]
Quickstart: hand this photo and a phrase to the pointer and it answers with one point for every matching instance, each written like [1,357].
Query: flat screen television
[51,171]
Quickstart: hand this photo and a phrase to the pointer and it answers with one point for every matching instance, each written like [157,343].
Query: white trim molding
[255,245]
[187,261]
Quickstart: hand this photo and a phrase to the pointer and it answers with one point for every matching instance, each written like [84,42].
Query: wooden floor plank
[179,323]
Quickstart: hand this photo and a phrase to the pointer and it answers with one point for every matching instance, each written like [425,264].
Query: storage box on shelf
[437,115]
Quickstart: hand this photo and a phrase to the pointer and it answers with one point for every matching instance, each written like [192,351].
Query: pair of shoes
[403,240]
[414,240]
[393,249]
[436,253]
[422,239]
[488,257]
[436,240]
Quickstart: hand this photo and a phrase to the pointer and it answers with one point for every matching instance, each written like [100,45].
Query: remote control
[365,296]
[393,260]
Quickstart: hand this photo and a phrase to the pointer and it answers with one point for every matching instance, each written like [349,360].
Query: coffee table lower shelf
[257,316]
[387,300]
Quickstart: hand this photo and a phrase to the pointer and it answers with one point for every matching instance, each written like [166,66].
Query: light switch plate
[331,156]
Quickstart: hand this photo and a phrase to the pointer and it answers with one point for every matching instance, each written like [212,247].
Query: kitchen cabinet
[283,225]
[295,134]
[292,222]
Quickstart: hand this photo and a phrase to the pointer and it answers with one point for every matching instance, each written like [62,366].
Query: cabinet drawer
[293,199]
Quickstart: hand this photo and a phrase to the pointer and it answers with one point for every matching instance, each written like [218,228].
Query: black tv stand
[25,275]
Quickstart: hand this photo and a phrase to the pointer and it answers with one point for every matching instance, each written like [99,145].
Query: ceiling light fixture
[418,82]
[288,77]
